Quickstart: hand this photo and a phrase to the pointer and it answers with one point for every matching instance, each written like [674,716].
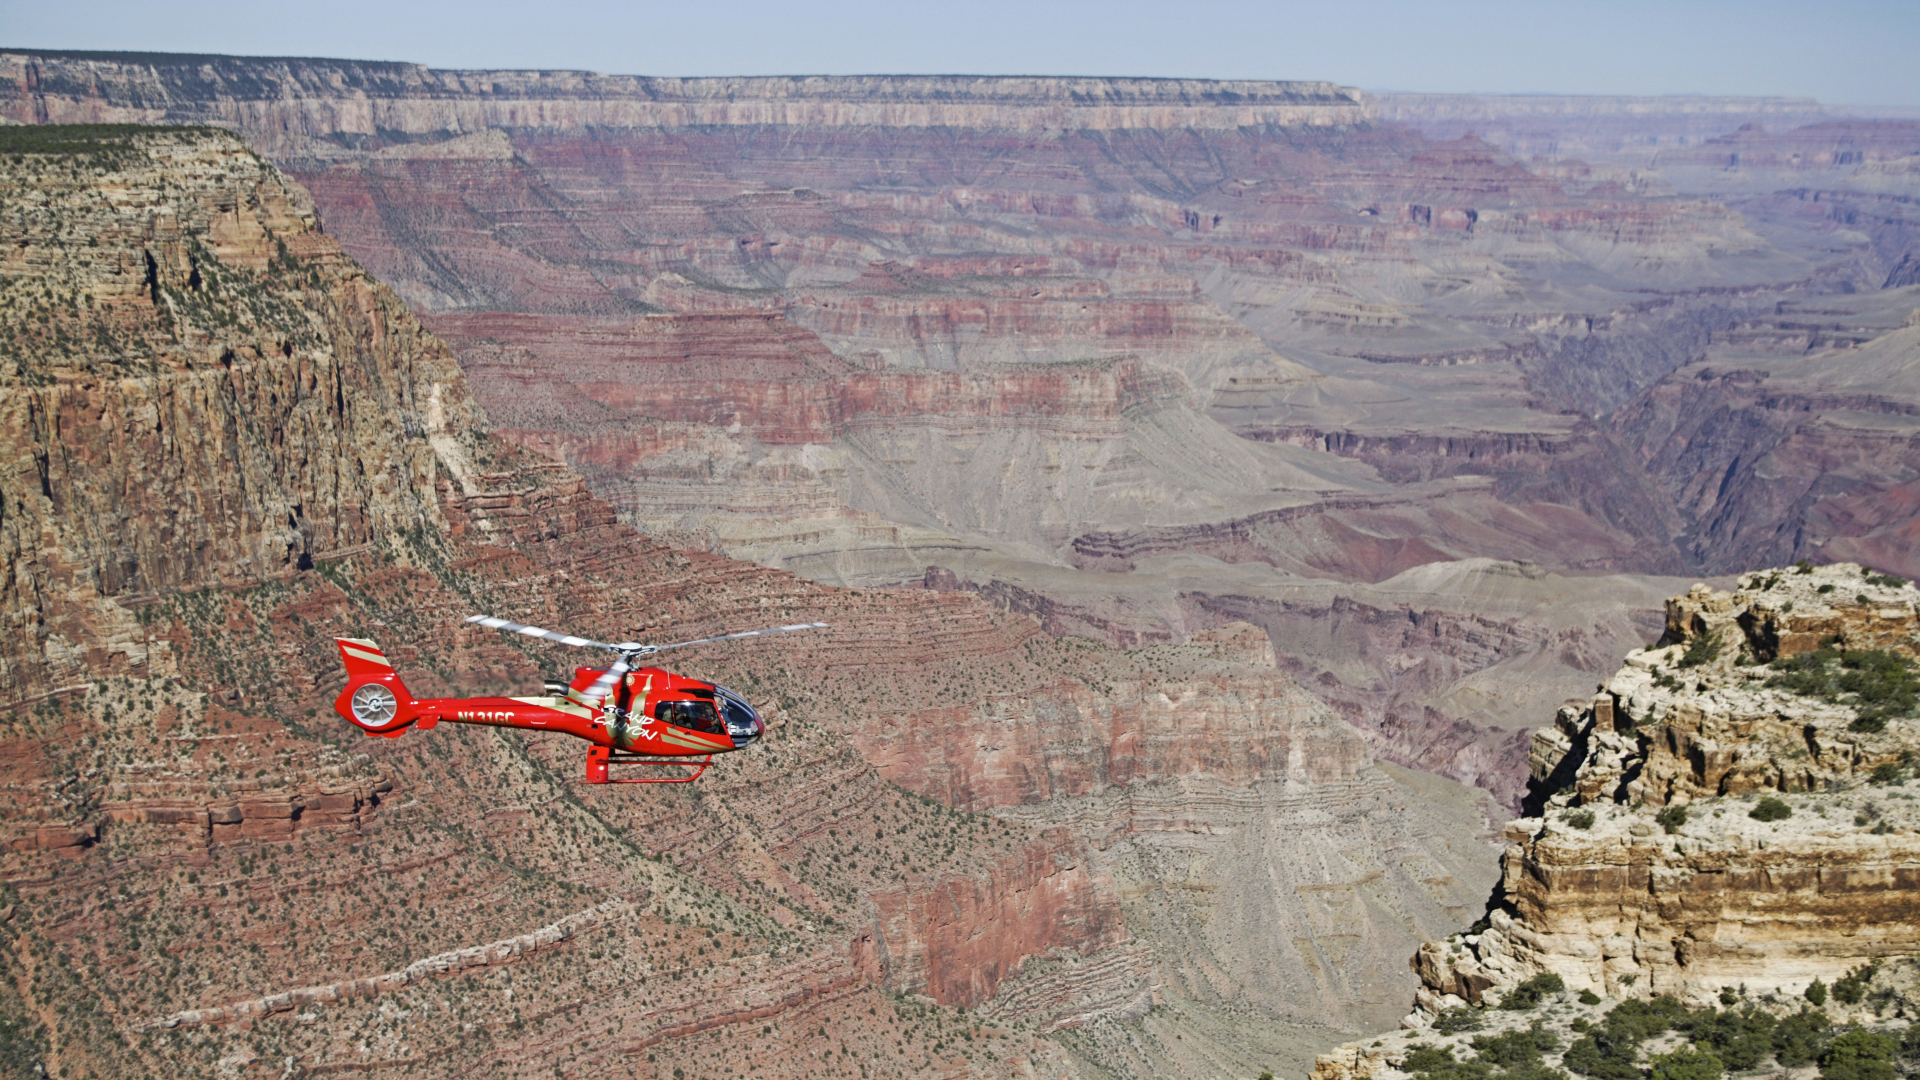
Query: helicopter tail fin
[375,700]
[363,657]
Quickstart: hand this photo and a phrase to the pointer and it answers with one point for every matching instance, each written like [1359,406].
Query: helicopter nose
[744,725]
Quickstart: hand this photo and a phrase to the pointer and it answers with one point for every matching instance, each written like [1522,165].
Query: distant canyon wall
[314,97]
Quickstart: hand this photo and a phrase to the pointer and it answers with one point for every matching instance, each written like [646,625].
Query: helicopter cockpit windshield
[743,724]
[726,714]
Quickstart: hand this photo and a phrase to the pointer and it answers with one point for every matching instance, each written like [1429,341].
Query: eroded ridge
[1726,822]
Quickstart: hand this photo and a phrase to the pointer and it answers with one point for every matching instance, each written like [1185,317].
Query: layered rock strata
[1703,829]
[1205,343]
[1654,868]
[306,97]
[197,876]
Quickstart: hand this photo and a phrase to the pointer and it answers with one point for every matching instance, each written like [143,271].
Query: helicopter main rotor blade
[604,685]
[730,637]
[534,631]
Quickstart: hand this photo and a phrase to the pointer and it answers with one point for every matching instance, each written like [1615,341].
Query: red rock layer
[198,870]
[207,795]
[547,377]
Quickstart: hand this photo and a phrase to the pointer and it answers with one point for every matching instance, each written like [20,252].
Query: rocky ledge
[1726,822]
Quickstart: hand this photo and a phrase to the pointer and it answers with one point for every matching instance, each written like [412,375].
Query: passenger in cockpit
[692,715]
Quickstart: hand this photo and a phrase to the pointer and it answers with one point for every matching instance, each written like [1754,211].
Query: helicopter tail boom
[375,700]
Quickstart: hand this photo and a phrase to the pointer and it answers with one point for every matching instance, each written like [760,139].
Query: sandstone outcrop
[1711,829]
[1654,867]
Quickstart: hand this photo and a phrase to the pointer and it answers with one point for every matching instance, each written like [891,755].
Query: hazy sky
[1859,52]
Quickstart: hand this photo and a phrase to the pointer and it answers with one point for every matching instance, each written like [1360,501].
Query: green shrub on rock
[1687,1063]
[1671,818]
[1879,685]
[1437,1063]
[1801,1038]
[1644,1019]
[1859,1055]
[1612,1051]
[1851,988]
[1704,649]
[1529,994]
[1741,1040]
[1602,1056]
[1518,1047]
[1458,1019]
[1770,809]
[1817,993]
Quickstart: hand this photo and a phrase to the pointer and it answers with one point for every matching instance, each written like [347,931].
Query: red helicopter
[631,715]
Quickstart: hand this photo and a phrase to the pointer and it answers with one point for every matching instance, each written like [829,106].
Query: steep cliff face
[199,389]
[1795,438]
[1724,824]
[200,877]
[1718,816]
[306,97]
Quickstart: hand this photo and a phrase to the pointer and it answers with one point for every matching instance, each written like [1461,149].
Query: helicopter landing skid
[599,758]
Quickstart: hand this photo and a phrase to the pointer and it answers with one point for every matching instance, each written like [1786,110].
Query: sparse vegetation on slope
[1877,684]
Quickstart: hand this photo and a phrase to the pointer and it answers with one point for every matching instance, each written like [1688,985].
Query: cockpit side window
[693,715]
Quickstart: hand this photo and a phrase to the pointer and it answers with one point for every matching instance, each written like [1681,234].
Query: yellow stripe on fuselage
[560,705]
[678,738]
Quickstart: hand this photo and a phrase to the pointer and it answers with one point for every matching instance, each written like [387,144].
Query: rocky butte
[967,847]
[1724,824]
